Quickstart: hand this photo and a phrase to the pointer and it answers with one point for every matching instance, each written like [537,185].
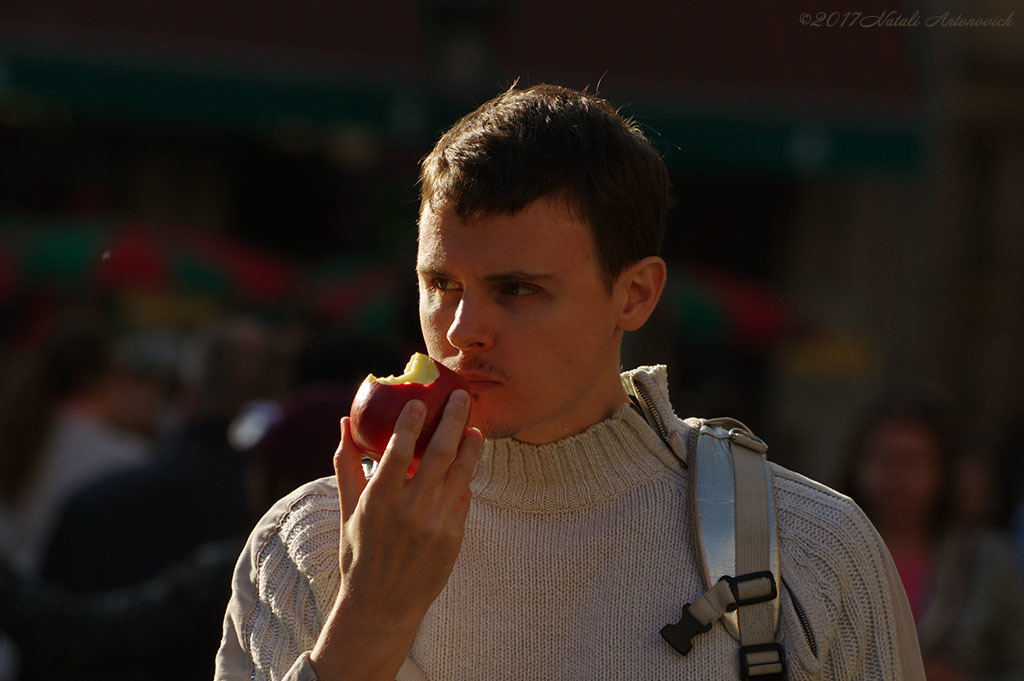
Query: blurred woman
[961,580]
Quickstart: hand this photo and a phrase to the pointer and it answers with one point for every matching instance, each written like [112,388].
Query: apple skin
[376,407]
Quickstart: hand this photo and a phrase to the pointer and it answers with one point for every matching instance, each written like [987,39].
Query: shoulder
[833,560]
[309,503]
[286,579]
[292,554]
[301,528]
[816,522]
[800,496]
[284,584]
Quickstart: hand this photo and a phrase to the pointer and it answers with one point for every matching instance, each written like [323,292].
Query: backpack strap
[736,538]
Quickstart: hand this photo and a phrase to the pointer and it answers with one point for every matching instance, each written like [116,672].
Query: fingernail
[460,398]
[416,409]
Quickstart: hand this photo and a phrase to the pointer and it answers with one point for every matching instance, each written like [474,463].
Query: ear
[639,287]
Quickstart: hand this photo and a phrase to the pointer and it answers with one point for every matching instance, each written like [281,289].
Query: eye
[518,289]
[441,284]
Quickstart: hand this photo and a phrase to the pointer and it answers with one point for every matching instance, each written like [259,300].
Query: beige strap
[757,623]
[736,536]
[710,607]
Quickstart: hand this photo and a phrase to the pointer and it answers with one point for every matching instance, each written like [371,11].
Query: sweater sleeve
[840,570]
[283,585]
[904,633]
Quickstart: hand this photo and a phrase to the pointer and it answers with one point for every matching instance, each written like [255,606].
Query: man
[561,546]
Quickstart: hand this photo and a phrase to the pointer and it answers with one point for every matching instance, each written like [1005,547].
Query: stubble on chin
[494,430]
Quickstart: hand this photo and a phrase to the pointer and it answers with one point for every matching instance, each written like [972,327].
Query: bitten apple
[379,401]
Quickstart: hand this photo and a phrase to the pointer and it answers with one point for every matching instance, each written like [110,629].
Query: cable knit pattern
[297,578]
[576,554]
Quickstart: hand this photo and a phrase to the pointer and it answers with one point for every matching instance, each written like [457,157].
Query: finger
[461,510]
[444,443]
[398,454]
[348,470]
[460,473]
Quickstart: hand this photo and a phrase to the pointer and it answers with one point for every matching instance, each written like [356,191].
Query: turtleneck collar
[607,460]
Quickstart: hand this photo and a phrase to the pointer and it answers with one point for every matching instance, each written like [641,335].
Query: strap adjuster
[747,439]
[765,662]
[744,594]
[680,634]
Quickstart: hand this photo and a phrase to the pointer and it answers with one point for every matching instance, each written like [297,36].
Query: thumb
[348,470]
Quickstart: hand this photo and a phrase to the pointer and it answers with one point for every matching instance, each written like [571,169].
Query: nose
[471,326]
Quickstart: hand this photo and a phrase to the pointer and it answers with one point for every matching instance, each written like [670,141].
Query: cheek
[925,484]
[898,485]
[433,325]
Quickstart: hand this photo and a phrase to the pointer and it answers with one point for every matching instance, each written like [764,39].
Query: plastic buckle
[680,634]
[734,586]
[748,440]
[765,662]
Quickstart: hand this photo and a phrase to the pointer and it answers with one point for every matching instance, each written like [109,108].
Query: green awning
[807,142]
[192,96]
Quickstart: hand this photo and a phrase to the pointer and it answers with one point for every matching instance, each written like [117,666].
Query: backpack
[733,504]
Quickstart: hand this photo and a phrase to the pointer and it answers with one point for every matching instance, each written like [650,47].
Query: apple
[379,401]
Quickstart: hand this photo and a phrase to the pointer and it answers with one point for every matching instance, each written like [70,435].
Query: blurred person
[166,626]
[158,628]
[299,443]
[561,545]
[129,526]
[146,363]
[58,434]
[1011,483]
[983,491]
[960,577]
[303,429]
[60,430]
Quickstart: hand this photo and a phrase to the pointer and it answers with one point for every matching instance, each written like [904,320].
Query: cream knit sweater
[576,553]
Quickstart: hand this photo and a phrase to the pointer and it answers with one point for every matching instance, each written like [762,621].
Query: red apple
[379,401]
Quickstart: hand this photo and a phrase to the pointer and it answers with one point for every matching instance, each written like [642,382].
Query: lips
[473,377]
[480,380]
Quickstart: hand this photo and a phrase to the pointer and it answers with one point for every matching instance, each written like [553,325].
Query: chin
[491,428]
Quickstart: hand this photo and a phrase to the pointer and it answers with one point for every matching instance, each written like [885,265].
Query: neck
[596,404]
[606,460]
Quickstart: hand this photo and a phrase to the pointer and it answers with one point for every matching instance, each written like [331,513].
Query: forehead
[543,234]
[904,437]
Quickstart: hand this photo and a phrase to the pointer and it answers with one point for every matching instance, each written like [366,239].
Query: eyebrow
[510,275]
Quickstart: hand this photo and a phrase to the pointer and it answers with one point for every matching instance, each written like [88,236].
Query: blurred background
[207,236]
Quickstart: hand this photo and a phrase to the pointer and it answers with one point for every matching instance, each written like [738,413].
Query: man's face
[517,304]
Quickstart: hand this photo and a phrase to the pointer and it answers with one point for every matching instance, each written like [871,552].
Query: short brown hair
[526,144]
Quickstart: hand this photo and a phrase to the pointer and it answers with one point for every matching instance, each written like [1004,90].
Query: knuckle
[462,465]
[406,424]
[454,535]
[467,458]
[440,447]
[458,404]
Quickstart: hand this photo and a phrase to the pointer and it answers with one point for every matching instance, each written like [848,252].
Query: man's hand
[399,541]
